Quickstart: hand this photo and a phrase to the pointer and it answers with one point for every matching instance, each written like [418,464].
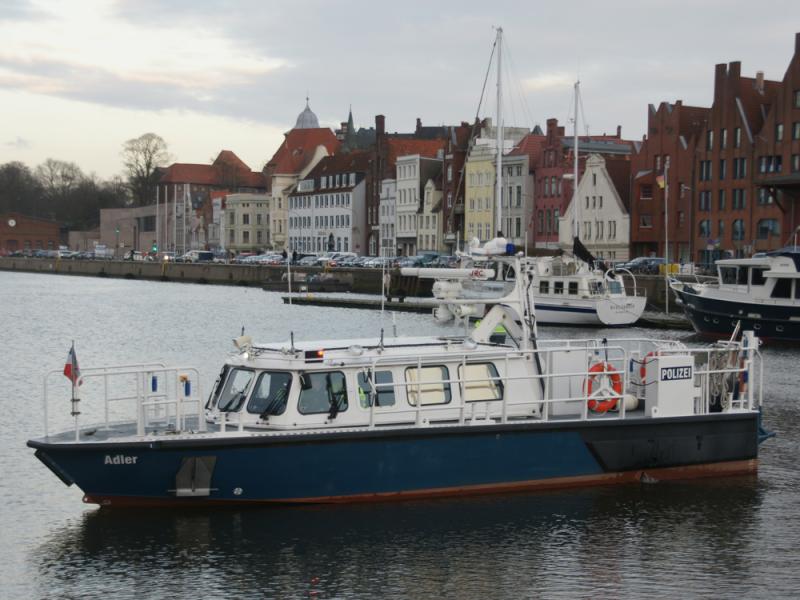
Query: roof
[405,146]
[297,150]
[307,119]
[226,168]
[531,145]
[351,162]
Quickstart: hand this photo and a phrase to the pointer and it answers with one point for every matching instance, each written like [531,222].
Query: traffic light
[155,247]
[116,230]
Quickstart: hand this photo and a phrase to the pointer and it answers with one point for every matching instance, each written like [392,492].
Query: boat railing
[158,395]
[724,377]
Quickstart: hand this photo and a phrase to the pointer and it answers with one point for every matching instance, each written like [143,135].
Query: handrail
[143,397]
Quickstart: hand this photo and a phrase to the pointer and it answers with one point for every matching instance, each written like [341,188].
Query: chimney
[760,82]
[720,72]
[380,124]
[797,43]
[419,125]
[619,132]
[735,70]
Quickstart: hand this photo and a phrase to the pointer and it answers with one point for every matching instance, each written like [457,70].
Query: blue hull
[380,465]
[718,318]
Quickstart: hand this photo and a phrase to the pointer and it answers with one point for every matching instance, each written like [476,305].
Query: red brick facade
[734,169]
[21,232]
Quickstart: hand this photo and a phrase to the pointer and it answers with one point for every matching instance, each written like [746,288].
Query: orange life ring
[643,368]
[603,405]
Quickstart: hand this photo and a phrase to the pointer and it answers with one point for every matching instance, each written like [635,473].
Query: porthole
[716,321]
[705,319]
[779,328]
[756,326]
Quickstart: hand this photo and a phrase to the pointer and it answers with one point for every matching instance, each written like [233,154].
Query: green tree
[142,157]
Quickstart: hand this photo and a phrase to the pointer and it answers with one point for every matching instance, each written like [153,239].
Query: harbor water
[722,538]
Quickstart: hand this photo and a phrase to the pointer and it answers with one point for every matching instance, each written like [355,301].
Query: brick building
[24,233]
[553,174]
[673,131]
[184,193]
[734,169]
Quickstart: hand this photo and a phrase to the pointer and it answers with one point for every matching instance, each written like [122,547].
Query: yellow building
[479,172]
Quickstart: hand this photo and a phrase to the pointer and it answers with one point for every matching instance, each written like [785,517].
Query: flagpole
[73,380]
[666,234]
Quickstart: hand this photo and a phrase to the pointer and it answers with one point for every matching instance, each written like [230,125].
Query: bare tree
[142,157]
[58,178]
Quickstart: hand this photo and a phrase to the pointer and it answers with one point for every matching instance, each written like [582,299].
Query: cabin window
[270,393]
[782,289]
[431,383]
[573,288]
[322,393]
[727,275]
[558,287]
[796,289]
[741,276]
[235,390]
[544,287]
[757,277]
[218,385]
[615,287]
[383,391]
[481,382]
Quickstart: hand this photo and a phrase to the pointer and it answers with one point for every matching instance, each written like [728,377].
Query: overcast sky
[78,78]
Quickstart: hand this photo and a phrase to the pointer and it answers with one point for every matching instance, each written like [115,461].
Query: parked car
[644,264]
[195,256]
[308,261]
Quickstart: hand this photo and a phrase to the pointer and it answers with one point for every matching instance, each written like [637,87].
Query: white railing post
[462,389]
[105,397]
[419,391]
[504,405]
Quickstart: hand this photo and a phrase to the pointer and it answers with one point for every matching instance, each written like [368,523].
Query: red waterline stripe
[721,469]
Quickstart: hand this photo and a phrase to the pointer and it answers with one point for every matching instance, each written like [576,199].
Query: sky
[80,77]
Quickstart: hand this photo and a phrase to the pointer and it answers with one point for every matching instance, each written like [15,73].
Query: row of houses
[703,182]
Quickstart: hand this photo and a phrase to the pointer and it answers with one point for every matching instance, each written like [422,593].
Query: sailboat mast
[499,128]
[576,205]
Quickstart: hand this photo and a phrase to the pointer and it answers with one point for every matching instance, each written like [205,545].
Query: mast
[499,175]
[576,205]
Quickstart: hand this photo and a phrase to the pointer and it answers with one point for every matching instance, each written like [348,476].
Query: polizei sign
[675,373]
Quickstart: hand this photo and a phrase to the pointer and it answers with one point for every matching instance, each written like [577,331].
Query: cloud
[19,143]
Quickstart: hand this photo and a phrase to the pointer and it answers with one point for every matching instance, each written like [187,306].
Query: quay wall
[362,281]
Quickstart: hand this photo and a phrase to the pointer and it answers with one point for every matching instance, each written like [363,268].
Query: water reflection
[567,543]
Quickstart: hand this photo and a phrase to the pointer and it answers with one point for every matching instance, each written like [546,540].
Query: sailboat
[570,289]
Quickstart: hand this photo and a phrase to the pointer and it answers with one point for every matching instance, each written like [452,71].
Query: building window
[797,98]
[796,130]
[245,237]
[722,200]
[738,199]
[722,169]
[737,137]
[232,218]
[764,197]
[519,196]
[767,228]
[795,163]
[231,236]
[779,132]
[646,192]
[705,200]
[645,221]
[709,139]
[704,228]
[547,220]
[738,230]
[449,172]
[723,138]
[721,229]
[555,221]
[681,218]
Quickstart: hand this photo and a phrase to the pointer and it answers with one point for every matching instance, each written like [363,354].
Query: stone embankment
[361,281]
